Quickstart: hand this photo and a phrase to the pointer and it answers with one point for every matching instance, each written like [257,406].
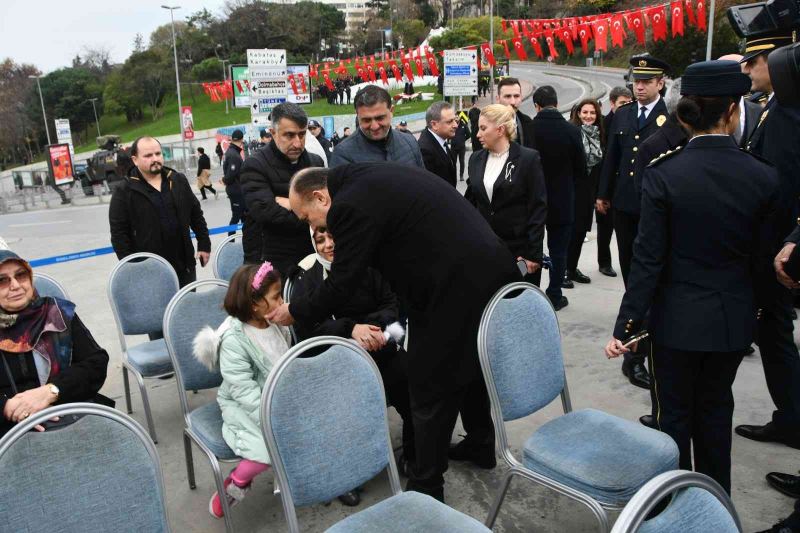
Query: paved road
[594,381]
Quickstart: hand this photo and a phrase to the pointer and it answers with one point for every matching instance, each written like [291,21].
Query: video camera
[764,18]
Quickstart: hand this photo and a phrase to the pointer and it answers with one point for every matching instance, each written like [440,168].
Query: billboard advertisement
[187,122]
[59,161]
[241,92]
[300,80]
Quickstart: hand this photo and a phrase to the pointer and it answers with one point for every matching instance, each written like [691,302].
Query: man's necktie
[642,118]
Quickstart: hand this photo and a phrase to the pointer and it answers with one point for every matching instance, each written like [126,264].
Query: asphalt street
[593,381]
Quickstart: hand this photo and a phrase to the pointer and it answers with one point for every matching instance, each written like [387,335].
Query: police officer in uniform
[775,139]
[704,210]
[631,125]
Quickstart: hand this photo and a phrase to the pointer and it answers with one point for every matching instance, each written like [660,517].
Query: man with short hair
[346,132]
[474,115]
[375,140]
[231,168]
[319,134]
[204,173]
[509,92]
[563,162]
[264,138]
[434,141]
[152,210]
[273,233]
[631,125]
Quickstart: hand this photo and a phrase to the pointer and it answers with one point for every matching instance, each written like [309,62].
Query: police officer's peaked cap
[647,66]
[766,44]
[715,78]
[237,135]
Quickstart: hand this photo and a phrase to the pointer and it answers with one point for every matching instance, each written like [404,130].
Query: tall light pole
[177,80]
[710,31]
[97,122]
[224,72]
[44,114]
[491,44]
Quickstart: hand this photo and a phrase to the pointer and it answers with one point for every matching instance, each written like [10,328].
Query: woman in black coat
[507,187]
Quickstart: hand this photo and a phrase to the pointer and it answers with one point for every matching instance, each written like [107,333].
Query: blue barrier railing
[85,254]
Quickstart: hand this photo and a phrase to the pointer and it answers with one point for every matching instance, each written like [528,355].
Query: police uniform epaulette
[664,156]
[626,103]
[756,156]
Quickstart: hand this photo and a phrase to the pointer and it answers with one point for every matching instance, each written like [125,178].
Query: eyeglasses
[23,276]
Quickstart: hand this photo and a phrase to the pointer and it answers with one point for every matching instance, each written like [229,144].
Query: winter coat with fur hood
[244,367]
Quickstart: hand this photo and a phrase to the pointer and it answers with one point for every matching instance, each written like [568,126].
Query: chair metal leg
[127,386]
[146,402]
[187,449]
[223,499]
[498,501]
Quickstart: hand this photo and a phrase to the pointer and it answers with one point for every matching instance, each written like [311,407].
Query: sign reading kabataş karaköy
[268,86]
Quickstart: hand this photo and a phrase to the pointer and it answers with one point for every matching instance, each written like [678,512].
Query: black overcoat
[436,159]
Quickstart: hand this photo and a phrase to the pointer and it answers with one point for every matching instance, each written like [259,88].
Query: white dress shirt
[494,165]
[440,140]
[648,108]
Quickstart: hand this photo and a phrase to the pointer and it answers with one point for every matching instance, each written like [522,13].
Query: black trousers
[694,406]
[780,357]
[203,191]
[558,238]
[476,416]
[237,210]
[458,155]
[575,248]
[605,227]
[393,365]
[627,226]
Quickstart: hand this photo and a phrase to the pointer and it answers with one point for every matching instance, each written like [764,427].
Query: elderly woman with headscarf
[48,355]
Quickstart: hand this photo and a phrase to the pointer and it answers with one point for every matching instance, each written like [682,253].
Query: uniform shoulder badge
[745,150]
[661,120]
[663,157]
[625,104]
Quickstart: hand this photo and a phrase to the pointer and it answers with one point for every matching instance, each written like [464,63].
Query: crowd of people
[700,191]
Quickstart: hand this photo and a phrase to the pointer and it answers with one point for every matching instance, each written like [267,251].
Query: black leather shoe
[402,465]
[478,454]
[794,314]
[790,525]
[768,433]
[648,420]
[580,277]
[560,303]
[637,374]
[785,483]
[567,283]
[350,499]
[608,271]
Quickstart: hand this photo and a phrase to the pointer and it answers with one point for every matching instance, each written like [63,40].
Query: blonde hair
[502,115]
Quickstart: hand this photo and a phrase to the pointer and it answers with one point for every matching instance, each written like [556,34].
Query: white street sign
[268,84]
[460,72]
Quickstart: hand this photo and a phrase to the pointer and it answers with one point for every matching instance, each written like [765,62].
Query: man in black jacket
[509,92]
[231,168]
[563,162]
[272,232]
[153,209]
[435,139]
[474,115]
[316,129]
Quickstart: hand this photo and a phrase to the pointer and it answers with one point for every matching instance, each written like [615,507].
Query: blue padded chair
[312,409]
[698,505]
[47,286]
[101,473]
[139,288]
[288,289]
[228,257]
[592,457]
[187,313]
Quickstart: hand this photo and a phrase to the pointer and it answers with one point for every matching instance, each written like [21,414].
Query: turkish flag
[526,31]
[382,72]
[362,73]
[676,7]
[302,79]
[432,64]
[701,15]
[515,27]
[658,21]
[617,31]
[537,47]
[503,25]
[407,69]
[293,84]
[247,84]
[551,45]
[566,36]
[396,71]
[418,65]
[326,76]
[488,54]
[687,8]
[636,24]
[519,48]
[600,28]
[238,86]
[371,73]
[584,34]
[506,51]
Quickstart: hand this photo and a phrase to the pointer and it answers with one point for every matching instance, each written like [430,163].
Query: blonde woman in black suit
[506,185]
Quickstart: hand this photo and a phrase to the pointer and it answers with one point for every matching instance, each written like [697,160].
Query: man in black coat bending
[444,262]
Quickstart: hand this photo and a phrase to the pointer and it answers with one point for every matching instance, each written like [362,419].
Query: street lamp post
[177,80]
[491,44]
[224,72]
[97,122]
[44,114]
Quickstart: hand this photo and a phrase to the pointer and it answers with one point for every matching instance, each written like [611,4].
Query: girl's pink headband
[262,273]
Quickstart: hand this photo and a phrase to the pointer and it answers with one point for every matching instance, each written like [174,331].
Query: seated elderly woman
[48,355]
[371,309]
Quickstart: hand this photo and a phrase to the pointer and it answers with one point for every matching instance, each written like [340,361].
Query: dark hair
[309,180]
[575,116]
[241,296]
[135,145]
[545,96]
[201,149]
[618,92]
[346,128]
[434,112]
[372,95]
[290,111]
[507,82]
[701,113]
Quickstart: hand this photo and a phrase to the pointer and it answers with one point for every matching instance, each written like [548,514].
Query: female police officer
[706,215]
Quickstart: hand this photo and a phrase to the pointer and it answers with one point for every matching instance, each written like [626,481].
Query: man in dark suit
[474,115]
[563,162]
[442,259]
[434,141]
[632,124]
[509,92]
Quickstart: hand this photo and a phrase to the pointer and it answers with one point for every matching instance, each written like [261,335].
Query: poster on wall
[59,162]
[299,81]
[240,79]
[187,122]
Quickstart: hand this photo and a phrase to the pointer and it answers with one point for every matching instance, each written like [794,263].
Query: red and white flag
[676,9]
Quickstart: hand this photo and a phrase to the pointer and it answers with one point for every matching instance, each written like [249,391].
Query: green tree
[410,32]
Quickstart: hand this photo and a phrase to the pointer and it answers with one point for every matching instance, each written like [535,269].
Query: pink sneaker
[233,492]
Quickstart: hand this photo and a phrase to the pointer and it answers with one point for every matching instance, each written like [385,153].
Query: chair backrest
[698,505]
[288,290]
[519,345]
[196,306]
[228,257]
[102,472]
[139,289]
[47,286]
[324,420]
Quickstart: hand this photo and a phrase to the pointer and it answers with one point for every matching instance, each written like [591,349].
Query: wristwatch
[54,390]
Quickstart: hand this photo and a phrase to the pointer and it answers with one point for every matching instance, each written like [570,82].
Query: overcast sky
[49,33]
